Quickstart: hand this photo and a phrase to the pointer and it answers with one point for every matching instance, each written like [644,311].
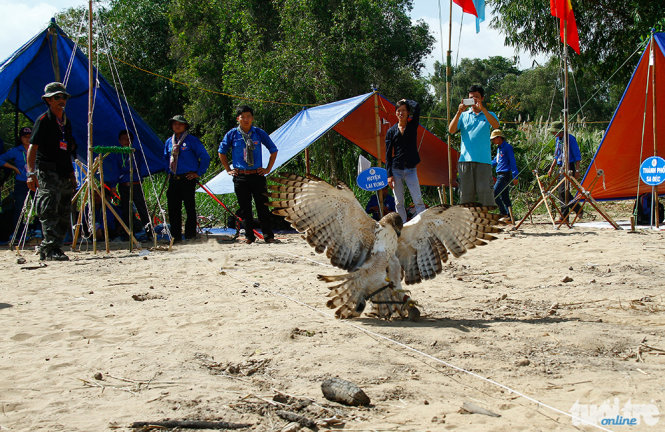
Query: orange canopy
[360,127]
[630,138]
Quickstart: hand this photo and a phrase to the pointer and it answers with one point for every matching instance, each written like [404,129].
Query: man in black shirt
[50,171]
[402,156]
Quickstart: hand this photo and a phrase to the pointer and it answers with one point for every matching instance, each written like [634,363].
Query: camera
[468,101]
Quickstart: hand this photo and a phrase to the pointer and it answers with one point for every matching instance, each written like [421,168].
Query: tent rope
[119,85]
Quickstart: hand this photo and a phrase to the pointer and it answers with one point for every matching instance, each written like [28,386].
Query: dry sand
[214,330]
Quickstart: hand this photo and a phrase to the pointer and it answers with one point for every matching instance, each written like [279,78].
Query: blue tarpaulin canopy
[355,119]
[46,58]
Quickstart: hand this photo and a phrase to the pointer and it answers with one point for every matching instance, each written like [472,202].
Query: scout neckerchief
[175,151]
[249,147]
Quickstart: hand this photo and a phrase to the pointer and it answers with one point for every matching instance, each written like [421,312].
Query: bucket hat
[54,88]
[180,119]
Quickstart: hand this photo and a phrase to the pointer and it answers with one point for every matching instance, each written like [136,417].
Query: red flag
[563,10]
[468,6]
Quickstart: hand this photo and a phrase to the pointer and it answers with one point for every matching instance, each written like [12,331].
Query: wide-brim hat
[180,119]
[556,127]
[497,133]
[54,88]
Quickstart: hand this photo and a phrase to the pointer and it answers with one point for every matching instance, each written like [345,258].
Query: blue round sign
[652,170]
[373,179]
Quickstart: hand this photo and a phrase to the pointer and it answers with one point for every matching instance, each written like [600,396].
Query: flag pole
[448,79]
[566,143]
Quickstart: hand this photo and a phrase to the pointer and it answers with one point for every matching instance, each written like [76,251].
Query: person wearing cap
[506,171]
[16,159]
[187,160]
[402,156]
[574,158]
[51,172]
[475,162]
[248,174]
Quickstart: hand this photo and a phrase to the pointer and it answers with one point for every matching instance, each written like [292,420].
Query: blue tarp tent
[45,58]
[355,119]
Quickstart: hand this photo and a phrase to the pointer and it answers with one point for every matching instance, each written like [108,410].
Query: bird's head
[393,219]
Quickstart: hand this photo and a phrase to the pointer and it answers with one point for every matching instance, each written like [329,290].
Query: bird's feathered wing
[427,239]
[330,216]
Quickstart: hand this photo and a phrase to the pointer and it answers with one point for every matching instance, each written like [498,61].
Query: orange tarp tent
[629,138]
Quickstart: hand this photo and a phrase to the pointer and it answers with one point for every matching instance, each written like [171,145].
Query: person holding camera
[475,123]
[402,156]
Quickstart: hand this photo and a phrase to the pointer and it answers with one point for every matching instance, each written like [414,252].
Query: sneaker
[270,240]
[249,241]
[58,255]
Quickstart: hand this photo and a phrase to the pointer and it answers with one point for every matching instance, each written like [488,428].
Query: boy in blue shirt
[248,174]
[16,159]
[506,171]
[574,158]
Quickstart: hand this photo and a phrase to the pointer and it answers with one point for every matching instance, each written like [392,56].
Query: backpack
[643,205]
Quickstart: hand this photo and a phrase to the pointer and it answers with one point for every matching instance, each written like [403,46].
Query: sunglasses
[60,96]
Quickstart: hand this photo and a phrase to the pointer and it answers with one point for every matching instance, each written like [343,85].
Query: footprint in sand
[19,337]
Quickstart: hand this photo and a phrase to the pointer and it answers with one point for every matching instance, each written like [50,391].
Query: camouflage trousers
[54,206]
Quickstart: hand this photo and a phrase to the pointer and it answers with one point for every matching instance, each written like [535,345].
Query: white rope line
[417,351]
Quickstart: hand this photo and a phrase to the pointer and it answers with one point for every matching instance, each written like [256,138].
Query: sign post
[373,179]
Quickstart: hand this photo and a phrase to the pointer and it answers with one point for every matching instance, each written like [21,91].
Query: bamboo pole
[103,197]
[90,156]
[379,200]
[448,79]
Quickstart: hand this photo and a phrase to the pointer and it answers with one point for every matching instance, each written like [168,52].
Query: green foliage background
[281,55]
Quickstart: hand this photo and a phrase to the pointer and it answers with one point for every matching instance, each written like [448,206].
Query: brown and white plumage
[377,255]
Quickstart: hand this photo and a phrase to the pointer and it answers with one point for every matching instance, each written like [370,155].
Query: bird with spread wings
[377,255]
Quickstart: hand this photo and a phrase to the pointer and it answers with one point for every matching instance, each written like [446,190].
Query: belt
[179,177]
[254,171]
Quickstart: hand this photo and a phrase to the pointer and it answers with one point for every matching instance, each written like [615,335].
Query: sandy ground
[215,330]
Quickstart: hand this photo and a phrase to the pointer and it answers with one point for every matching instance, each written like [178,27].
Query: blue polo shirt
[574,154]
[475,130]
[505,159]
[16,156]
[233,140]
[192,157]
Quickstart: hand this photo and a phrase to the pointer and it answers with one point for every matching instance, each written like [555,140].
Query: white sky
[22,19]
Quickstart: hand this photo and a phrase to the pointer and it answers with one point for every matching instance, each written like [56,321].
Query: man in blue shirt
[506,171]
[248,174]
[372,207]
[574,158]
[475,162]
[16,159]
[187,160]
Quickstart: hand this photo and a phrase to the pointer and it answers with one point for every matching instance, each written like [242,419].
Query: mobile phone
[468,101]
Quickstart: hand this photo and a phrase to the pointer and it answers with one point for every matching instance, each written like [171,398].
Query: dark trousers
[139,202]
[20,192]
[248,186]
[564,194]
[54,206]
[181,191]
[502,191]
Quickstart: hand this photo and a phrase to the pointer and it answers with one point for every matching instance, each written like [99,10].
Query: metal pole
[91,172]
[652,64]
[130,220]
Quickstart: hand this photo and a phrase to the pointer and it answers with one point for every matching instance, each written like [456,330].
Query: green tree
[609,32]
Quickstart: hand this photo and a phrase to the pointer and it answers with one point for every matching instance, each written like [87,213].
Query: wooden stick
[191,424]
